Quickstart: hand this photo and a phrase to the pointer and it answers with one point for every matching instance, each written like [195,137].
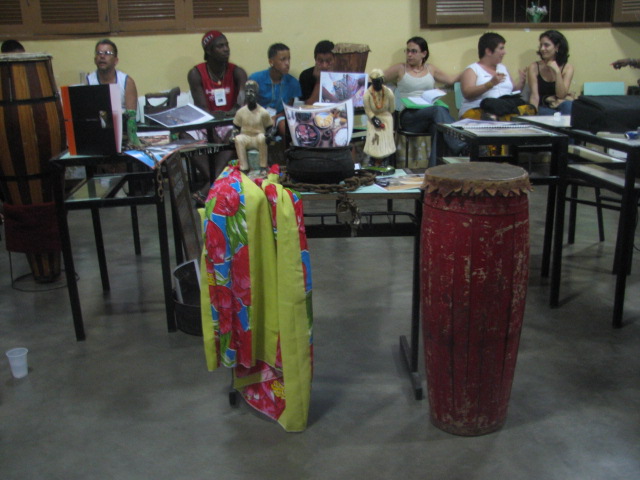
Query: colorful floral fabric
[256,294]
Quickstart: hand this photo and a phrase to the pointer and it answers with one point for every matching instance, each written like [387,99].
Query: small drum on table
[31,133]
[474,272]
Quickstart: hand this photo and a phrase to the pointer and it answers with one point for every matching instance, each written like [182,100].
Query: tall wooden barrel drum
[474,272]
[31,132]
[350,57]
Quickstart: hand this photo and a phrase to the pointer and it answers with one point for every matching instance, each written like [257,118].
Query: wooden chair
[581,155]
[159,102]
[407,136]
[601,177]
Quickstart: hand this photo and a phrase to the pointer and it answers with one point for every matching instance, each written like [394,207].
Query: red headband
[209,37]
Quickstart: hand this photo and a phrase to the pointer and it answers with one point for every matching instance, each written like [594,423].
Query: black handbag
[504,105]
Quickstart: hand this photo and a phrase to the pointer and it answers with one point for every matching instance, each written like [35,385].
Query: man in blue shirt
[276,86]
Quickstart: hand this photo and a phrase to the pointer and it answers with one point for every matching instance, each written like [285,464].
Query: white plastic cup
[18,361]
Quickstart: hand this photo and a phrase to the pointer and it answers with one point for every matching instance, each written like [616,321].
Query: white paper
[419,101]
[432,95]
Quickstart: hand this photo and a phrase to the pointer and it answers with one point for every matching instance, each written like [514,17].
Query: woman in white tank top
[413,77]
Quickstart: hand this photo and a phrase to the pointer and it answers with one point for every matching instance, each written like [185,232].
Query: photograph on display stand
[340,86]
[321,126]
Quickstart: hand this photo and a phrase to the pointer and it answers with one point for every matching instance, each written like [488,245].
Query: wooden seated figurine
[252,129]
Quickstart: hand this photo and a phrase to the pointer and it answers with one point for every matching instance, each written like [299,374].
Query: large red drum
[474,272]
[31,132]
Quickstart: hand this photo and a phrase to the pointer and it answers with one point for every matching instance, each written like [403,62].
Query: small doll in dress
[379,104]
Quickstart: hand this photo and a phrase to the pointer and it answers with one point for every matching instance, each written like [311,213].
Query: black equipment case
[320,165]
[606,113]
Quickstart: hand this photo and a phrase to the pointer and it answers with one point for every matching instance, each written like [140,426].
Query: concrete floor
[136,402]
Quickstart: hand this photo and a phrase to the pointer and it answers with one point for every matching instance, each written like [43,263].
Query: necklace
[419,70]
[378,98]
[217,79]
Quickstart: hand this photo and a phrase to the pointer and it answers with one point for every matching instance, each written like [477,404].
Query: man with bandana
[217,86]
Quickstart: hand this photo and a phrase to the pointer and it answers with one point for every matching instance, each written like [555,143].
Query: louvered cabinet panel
[69,16]
[229,15]
[455,12]
[626,11]
[13,18]
[147,15]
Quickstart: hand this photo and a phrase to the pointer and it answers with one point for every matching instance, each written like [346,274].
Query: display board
[188,219]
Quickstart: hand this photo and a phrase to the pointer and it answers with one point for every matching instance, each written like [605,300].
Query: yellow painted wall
[158,62]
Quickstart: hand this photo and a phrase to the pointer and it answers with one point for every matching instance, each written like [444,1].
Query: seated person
[627,62]
[216,85]
[310,78]
[276,86]
[106,59]
[11,46]
[412,78]
[487,78]
[550,77]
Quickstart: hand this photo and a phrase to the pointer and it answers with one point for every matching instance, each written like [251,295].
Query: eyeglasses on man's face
[104,52]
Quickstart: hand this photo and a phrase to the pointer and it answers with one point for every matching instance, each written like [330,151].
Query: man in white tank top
[106,59]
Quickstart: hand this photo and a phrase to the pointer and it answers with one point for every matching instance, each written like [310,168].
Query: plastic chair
[603,88]
[457,92]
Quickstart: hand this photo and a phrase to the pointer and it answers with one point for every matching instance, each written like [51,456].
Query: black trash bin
[186,297]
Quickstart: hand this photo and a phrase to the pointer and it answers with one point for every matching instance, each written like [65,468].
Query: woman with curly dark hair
[550,77]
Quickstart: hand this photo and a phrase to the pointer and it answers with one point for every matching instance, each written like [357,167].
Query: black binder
[93,119]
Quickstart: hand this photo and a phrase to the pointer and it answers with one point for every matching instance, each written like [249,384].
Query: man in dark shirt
[310,78]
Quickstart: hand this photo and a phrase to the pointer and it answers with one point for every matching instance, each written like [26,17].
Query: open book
[153,155]
[428,96]
[181,116]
